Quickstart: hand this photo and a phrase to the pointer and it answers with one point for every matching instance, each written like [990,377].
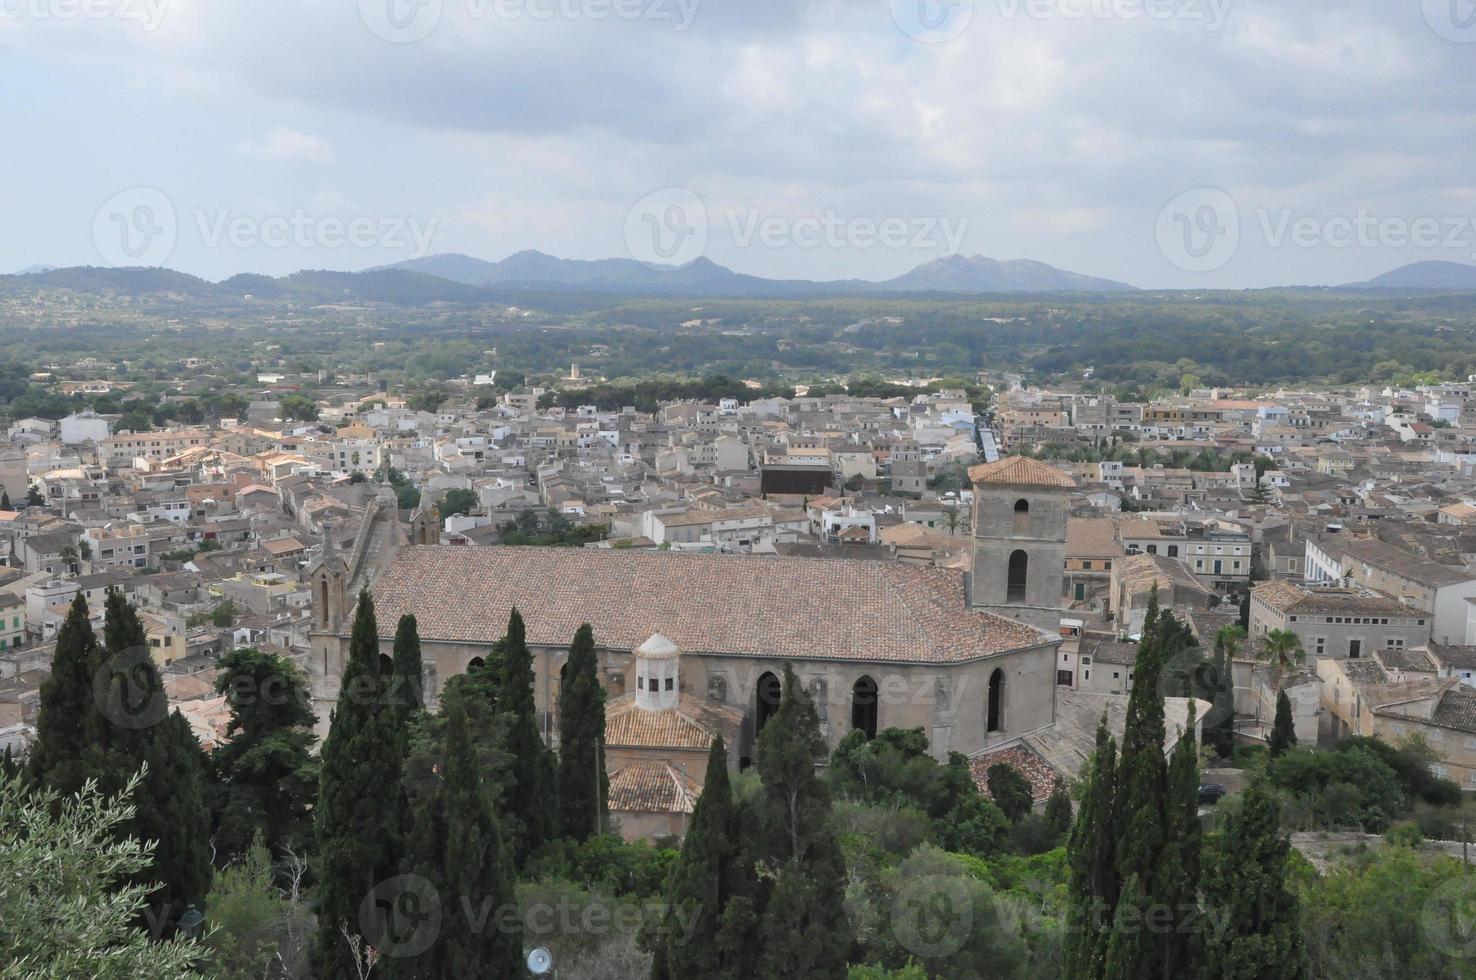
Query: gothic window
[863,706]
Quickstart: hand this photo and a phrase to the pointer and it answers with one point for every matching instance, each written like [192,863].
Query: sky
[1165,143]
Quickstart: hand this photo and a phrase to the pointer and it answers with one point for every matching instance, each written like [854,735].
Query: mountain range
[1431,274]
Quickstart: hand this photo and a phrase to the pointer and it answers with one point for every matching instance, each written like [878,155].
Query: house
[1335,620]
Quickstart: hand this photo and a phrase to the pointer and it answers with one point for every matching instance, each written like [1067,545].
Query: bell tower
[328,578]
[1019,546]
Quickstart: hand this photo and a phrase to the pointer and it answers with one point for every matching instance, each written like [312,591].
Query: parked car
[1210,793]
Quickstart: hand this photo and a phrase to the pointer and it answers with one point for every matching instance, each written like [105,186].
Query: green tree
[33,496]
[1283,730]
[1219,733]
[1091,853]
[457,501]
[407,690]
[266,776]
[1010,790]
[713,880]
[583,787]
[1058,809]
[532,807]
[5,500]
[1282,649]
[1177,876]
[358,814]
[804,932]
[298,408]
[69,724]
[1258,929]
[67,906]
[251,922]
[172,811]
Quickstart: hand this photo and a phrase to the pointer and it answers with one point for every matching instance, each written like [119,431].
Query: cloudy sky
[1173,143]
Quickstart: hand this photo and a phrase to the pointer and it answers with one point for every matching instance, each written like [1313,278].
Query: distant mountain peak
[1428,274]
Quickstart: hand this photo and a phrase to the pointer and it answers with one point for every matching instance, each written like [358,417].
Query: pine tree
[804,932]
[583,784]
[69,724]
[1283,731]
[713,880]
[358,814]
[531,806]
[407,691]
[266,774]
[1257,930]
[1091,856]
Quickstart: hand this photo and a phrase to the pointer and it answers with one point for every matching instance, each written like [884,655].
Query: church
[695,645]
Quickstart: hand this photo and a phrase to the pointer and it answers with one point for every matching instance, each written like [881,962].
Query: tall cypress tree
[407,690]
[457,847]
[531,770]
[1177,885]
[1257,929]
[583,784]
[172,809]
[1283,731]
[713,879]
[1142,778]
[69,724]
[358,832]
[1091,856]
[804,932]
[1219,734]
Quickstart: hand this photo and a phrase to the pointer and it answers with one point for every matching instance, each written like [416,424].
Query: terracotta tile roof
[1023,760]
[693,724]
[651,787]
[1091,537]
[1291,597]
[1020,471]
[756,606]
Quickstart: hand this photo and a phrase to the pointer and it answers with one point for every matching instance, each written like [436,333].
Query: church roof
[651,787]
[1020,471]
[693,724]
[800,608]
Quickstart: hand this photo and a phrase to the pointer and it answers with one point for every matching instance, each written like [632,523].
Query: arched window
[770,692]
[475,663]
[1022,516]
[386,665]
[863,706]
[1019,572]
[994,720]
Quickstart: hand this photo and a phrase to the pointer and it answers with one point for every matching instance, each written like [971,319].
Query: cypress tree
[1058,809]
[357,819]
[713,880]
[1283,732]
[457,848]
[531,771]
[1177,887]
[1142,778]
[5,500]
[266,774]
[1220,733]
[583,784]
[407,690]
[69,725]
[172,809]
[1091,857]
[1257,930]
[804,932]
[1129,954]
[1010,791]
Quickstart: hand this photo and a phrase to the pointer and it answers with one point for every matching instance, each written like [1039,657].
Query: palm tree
[1232,637]
[1282,648]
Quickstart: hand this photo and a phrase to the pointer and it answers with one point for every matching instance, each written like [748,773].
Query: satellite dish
[540,961]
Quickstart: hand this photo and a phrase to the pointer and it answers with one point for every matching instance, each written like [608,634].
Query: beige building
[1335,621]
